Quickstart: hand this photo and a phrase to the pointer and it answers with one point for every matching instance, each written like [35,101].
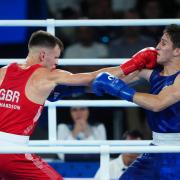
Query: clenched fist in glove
[62,91]
[146,58]
[107,83]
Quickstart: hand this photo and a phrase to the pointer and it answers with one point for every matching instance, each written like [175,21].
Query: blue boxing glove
[107,83]
[62,91]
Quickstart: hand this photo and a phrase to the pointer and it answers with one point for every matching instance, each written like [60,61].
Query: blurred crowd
[112,9]
[100,41]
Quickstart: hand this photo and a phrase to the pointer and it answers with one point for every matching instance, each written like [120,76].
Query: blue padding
[13,9]
[76,169]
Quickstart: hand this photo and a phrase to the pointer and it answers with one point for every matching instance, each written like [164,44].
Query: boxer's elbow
[149,101]
[155,103]
[157,108]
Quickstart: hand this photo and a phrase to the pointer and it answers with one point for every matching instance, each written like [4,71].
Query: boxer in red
[23,91]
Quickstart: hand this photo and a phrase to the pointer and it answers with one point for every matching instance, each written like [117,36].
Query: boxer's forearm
[151,102]
[116,71]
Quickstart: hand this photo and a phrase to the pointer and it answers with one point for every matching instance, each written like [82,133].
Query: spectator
[67,34]
[123,5]
[167,9]
[151,9]
[99,9]
[120,164]
[81,128]
[86,47]
[131,40]
[56,7]
[102,9]
[60,9]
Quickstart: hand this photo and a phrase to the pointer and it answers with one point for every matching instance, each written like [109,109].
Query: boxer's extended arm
[168,96]
[145,58]
[79,79]
[62,91]
[106,83]
[44,81]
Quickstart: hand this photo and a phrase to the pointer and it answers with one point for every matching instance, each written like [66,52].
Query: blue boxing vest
[167,120]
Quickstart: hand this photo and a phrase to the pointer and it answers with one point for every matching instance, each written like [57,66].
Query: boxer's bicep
[67,78]
[170,94]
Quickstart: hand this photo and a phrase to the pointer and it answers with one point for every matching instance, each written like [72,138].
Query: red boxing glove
[146,58]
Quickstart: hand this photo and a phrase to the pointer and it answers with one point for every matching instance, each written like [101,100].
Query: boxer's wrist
[128,67]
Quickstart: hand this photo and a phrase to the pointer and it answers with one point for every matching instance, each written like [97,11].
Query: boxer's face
[50,57]
[165,50]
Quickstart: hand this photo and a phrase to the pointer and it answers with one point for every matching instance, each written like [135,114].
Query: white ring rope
[86,149]
[79,62]
[90,143]
[91,103]
[88,22]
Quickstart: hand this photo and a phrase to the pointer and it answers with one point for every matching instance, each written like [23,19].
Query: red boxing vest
[18,114]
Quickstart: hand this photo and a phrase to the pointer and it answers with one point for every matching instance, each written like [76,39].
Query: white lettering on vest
[9,95]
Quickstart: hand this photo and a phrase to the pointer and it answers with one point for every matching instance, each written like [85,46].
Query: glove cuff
[128,67]
[127,93]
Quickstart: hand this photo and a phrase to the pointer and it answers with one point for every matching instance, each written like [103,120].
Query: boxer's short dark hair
[44,39]
[173,31]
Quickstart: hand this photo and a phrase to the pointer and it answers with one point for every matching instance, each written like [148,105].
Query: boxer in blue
[162,105]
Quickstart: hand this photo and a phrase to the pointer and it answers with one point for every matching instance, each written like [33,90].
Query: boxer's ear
[176,52]
[42,55]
